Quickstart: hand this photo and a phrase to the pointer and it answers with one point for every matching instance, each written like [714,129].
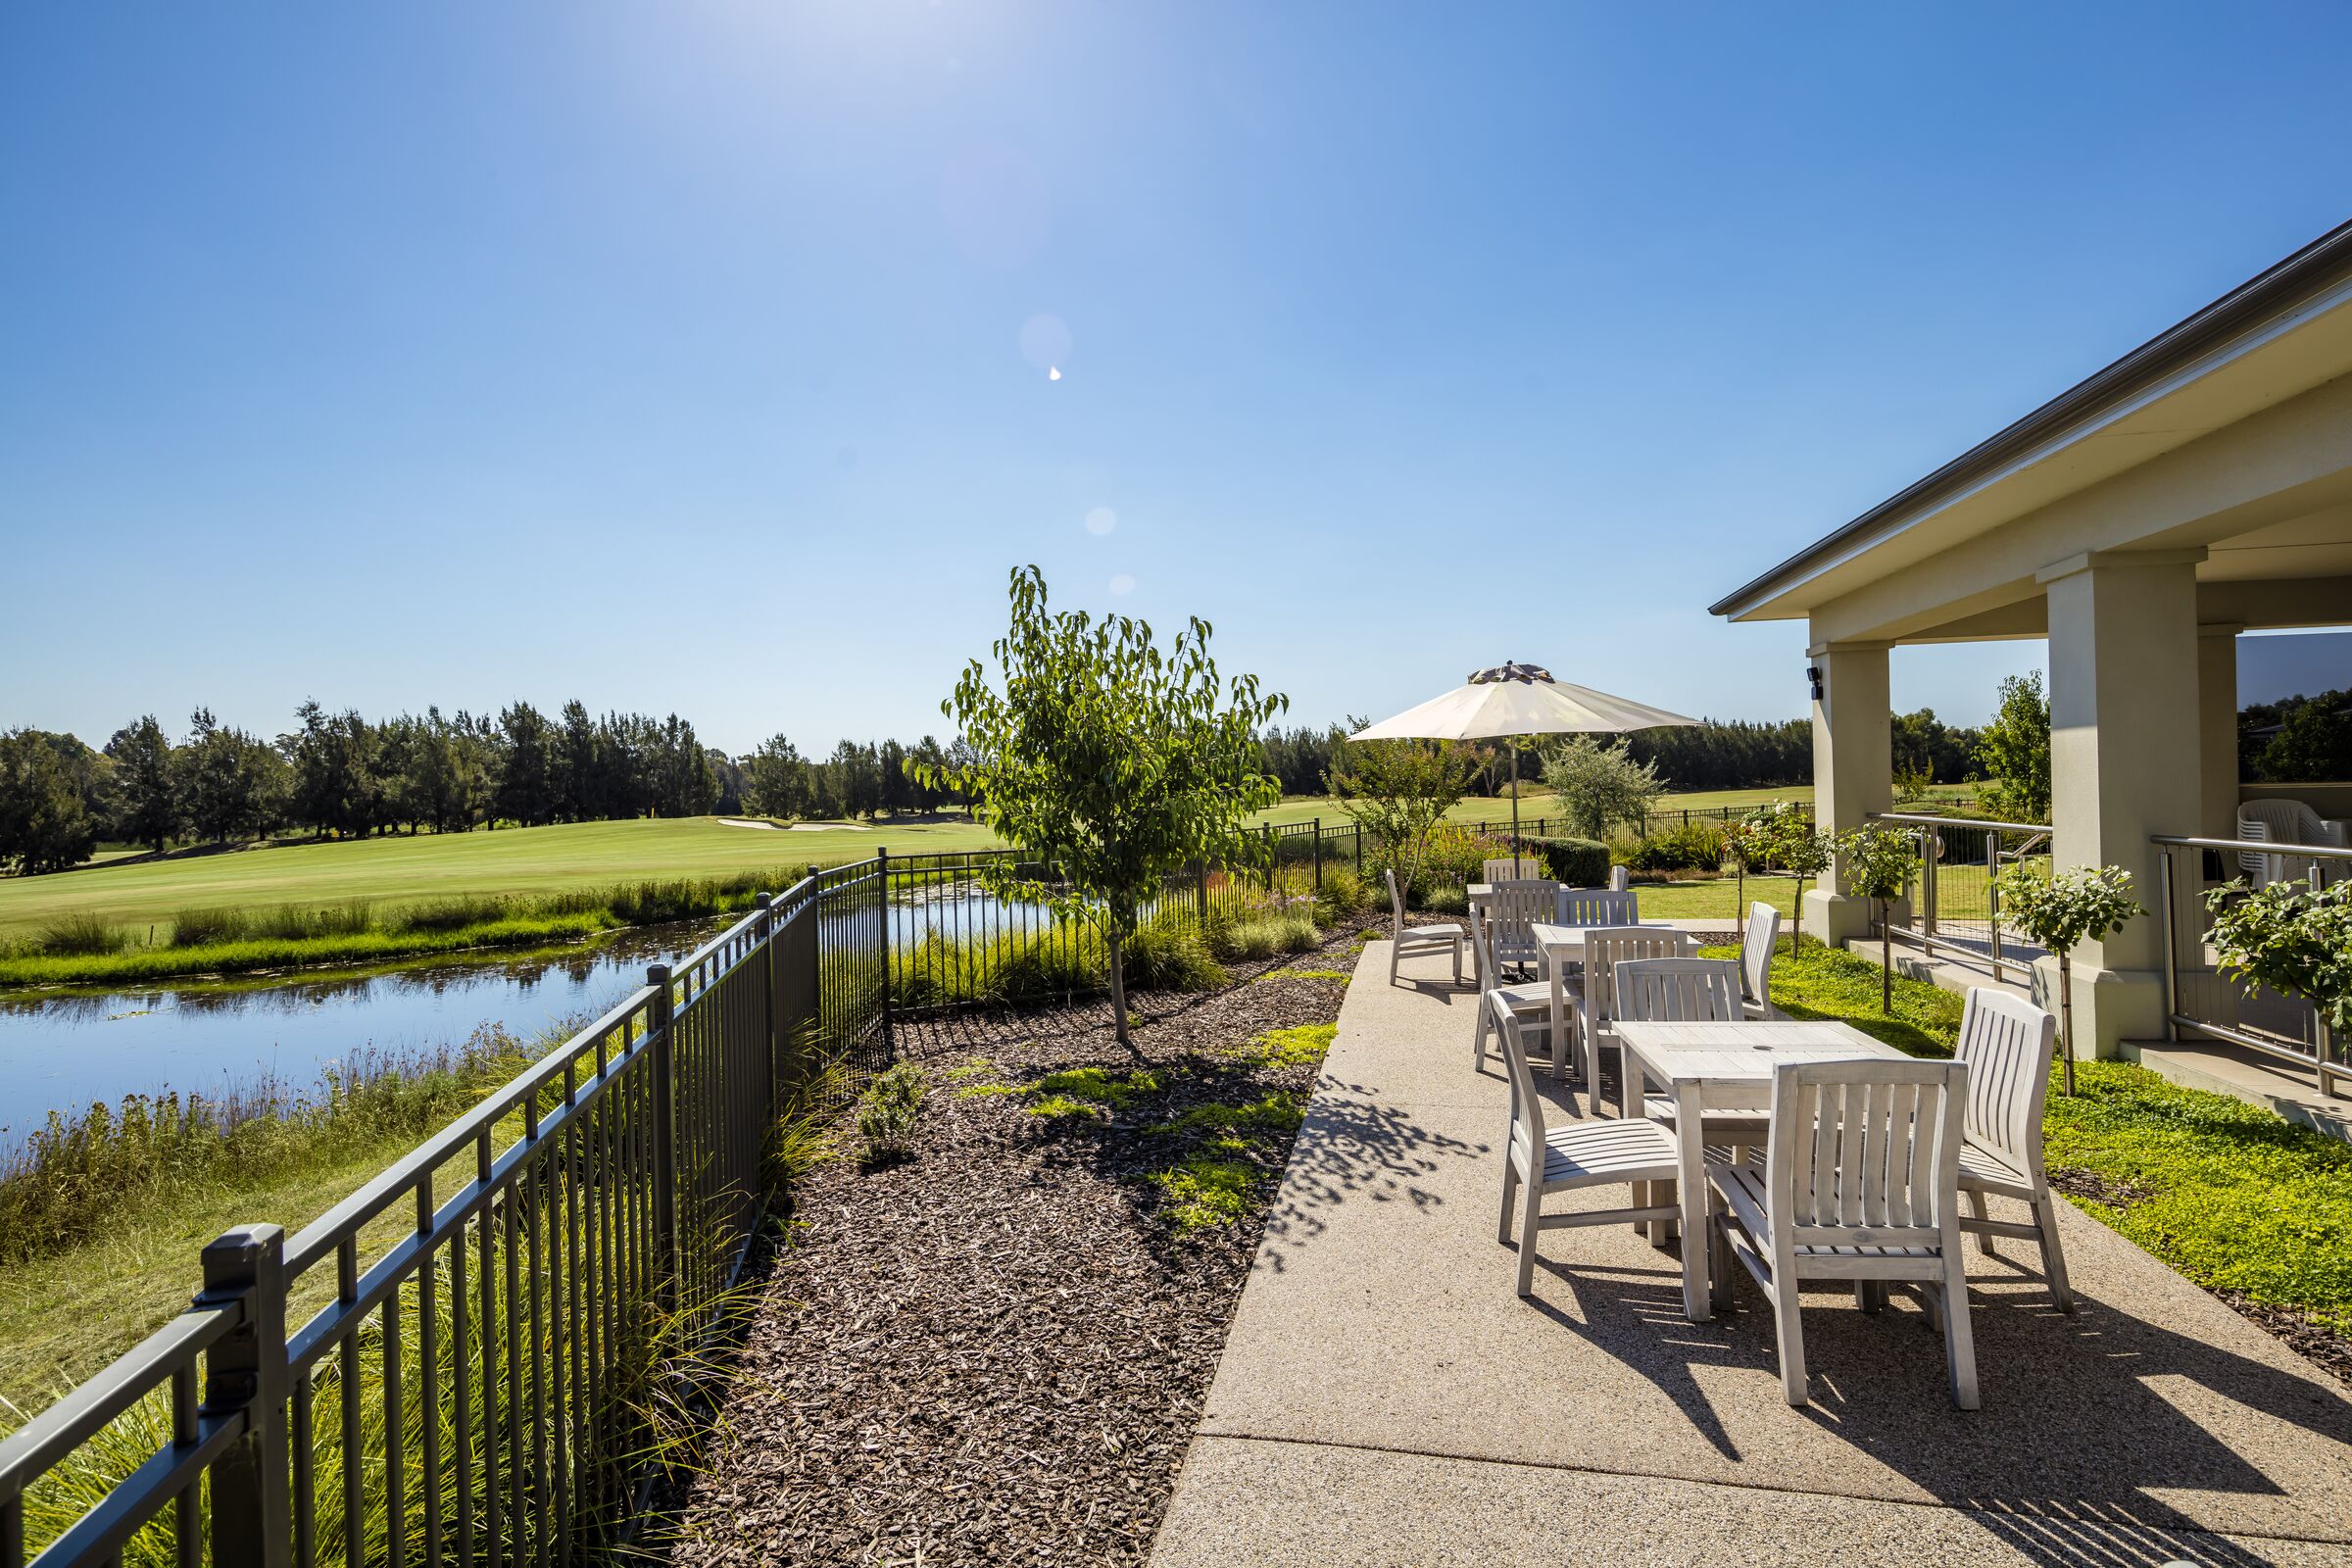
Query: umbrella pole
[1514,745]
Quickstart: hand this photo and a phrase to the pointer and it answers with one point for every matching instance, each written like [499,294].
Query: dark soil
[996,1351]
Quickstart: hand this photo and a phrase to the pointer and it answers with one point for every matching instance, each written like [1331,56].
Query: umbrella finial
[1531,674]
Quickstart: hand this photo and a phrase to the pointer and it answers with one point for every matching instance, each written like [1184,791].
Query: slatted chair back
[1679,991]
[1608,948]
[1596,907]
[1396,900]
[1527,1107]
[1755,952]
[1506,869]
[1619,879]
[1864,1154]
[1512,911]
[2007,1043]
[1482,952]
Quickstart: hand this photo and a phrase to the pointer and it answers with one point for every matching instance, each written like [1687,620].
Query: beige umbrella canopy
[1515,700]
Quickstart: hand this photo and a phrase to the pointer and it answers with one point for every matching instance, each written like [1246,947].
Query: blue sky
[697,356]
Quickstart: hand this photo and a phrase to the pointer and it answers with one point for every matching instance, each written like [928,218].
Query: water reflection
[63,1051]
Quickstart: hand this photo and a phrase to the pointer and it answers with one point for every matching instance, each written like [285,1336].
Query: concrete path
[1385,1399]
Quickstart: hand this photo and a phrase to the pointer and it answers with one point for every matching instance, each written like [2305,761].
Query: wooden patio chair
[1688,991]
[1596,907]
[1505,869]
[1860,1181]
[1512,911]
[2007,1043]
[1592,996]
[1545,1159]
[1755,960]
[1529,1000]
[1411,941]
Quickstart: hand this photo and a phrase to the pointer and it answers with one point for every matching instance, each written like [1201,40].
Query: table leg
[1698,1304]
[1559,1014]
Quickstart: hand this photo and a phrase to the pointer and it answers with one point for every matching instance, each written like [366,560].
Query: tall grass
[85,949]
[82,1170]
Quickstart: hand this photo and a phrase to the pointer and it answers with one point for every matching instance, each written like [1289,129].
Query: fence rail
[1954,904]
[2200,999]
[459,1363]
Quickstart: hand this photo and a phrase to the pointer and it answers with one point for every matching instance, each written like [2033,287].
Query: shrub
[887,1112]
[81,935]
[1692,847]
[1168,955]
[1579,863]
[1454,858]
[1342,895]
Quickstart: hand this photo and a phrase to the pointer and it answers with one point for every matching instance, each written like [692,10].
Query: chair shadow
[2066,1462]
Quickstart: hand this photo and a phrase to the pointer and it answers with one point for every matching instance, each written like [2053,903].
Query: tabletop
[1742,1052]
[1548,935]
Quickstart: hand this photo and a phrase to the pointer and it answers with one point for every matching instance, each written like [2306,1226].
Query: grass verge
[2236,1198]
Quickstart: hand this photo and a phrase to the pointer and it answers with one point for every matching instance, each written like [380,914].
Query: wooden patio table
[1720,1067]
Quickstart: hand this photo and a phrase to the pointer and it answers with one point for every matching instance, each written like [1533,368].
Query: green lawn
[2234,1197]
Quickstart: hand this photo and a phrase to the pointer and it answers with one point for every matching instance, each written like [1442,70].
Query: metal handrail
[1925,936]
[1928,820]
[2283,848]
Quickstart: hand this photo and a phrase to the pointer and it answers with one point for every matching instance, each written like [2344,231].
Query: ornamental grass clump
[2059,912]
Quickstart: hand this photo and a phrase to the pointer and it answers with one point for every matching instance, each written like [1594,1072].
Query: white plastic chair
[2283,822]
[1585,1153]
[1861,1182]
[1755,960]
[1593,999]
[1411,941]
[2007,1043]
[1531,1001]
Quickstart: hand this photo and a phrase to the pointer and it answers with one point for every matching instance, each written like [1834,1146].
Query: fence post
[2172,963]
[1318,854]
[1273,854]
[765,906]
[665,1132]
[251,1517]
[1992,900]
[1359,851]
[882,894]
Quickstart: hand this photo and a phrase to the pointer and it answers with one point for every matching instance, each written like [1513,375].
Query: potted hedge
[2296,939]
[2061,911]
[1877,862]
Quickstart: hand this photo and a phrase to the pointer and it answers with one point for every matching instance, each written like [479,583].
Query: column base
[1832,917]
[2111,1007]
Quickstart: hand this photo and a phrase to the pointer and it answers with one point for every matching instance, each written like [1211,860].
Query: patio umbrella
[1509,701]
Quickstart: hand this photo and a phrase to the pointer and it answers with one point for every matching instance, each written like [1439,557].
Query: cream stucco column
[2217,730]
[1853,767]
[2126,762]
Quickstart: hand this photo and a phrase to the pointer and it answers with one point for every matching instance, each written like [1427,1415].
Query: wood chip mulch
[996,1350]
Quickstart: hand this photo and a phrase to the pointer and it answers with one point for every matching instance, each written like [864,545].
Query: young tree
[1600,785]
[2296,939]
[1114,762]
[1398,791]
[2015,749]
[1878,862]
[146,796]
[2061,911]
[1802,850]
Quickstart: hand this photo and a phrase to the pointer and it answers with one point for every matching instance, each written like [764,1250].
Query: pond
[67,1051]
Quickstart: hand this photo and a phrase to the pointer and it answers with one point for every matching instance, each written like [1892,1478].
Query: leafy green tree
[2015,749]
[1801,849]
[575,766]
[527,791]
[2059,911]
[1878,862]
[1398,791]
[45,821]
[231,784]
[1115,761]
[776,780]
[1598,786]
[684,784]
[146,794]
[2294,939]
[2314,743]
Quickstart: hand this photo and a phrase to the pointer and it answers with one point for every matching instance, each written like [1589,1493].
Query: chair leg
[1511,1192]
[1395,952]
[1457,960]
[1720,1265]
[1478,1045]
[1982,1208]
[1959,1343]
[1531,1210]
[2053,1258]
[1790,1328]
[1870,1295]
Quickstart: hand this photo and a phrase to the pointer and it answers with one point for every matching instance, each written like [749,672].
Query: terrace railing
[1954,904]
[2201,999]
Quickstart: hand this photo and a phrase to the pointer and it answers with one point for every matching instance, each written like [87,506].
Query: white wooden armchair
[1860,1181]
[1592,998]
[2007,1043]
[1755,960]
[1411,941]
[1529,1000]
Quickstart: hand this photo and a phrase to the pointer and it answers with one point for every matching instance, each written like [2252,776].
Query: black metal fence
[462,1361]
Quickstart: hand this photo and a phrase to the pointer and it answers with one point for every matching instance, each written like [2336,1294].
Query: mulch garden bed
[996,1350]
